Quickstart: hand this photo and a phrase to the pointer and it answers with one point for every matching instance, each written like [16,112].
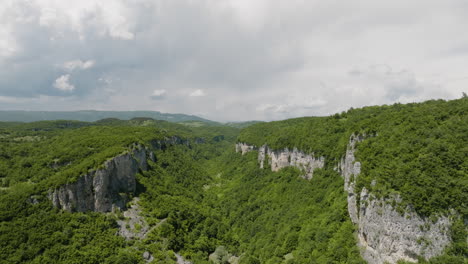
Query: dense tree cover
[61,157]
[35,157]
[196,199]
[418,150]
[48,236]
[204,198]
[280,217]
[256,214]
[60,151]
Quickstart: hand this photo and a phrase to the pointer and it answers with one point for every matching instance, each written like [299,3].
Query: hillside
[91,116]
[405,167]
[305,190]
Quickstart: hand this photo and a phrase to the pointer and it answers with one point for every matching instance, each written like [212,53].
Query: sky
[230,60]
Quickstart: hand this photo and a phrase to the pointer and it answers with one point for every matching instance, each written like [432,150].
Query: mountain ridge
[92,115]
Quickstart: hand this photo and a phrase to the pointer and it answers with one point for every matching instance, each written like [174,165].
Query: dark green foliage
[61,156]
[254,213]
[203,197]
[275,214]
[418,150]
[38,156]
[40,234]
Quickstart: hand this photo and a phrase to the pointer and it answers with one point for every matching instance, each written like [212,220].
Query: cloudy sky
[230,60]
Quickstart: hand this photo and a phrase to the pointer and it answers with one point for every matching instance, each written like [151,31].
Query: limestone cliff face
[384,235]
[279,159]
[102,189]
[244,148]
[349,170]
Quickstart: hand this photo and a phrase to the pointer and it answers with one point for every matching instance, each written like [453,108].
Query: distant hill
[243,124]
[91,116]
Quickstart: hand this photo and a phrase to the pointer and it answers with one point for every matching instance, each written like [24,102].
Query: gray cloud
[231,59]
[159,94]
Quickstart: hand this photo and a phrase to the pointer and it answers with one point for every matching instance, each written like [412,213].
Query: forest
[209,204]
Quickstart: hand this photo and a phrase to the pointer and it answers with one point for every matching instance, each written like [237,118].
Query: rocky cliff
[279,159]
[100,190]
[244,148]
[385,235]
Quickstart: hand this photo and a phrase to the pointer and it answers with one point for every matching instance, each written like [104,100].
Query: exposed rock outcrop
[385,235]
[279,159]
[133,225]
[180,259]
[284,158]
[221,255]
[349,170]
[244,148]
[102,189]
[148,257]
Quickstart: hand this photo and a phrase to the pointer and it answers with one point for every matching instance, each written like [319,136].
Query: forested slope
[418,152]
[209,204]
[37,157]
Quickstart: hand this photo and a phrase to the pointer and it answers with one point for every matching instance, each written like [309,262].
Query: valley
[380,184]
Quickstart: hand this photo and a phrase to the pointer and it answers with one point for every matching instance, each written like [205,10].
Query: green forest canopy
[205,198]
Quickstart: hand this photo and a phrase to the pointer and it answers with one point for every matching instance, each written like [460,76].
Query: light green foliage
[34,232]
[204,197]
[253,213]
[418,150]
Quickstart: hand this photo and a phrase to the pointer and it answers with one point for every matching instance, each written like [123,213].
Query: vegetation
[203,198]
[91,116]
[416,150]
[257,215]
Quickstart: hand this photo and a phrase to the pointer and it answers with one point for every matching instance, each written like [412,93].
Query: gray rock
[244,148]
[384,235]
[279,159]
[102,189]
[133,224]
[152,157]
[221,255]
[181,260]
[148,257]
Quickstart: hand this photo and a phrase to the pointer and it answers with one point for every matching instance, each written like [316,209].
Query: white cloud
[63,83]
[106,17]
[9,16]
[7,43]
[78,64]
[240,59]
[197,93]
[159,94]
